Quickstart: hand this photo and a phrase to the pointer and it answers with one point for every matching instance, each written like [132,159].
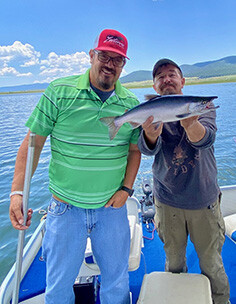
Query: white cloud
[5,59]
[64,65]
[10,71]
[30,63]
[23,61]
[14,57]
[24,53]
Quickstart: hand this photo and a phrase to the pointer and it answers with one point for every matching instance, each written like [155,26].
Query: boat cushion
[175,288]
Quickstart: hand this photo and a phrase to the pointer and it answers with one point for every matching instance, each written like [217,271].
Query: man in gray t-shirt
[187,196]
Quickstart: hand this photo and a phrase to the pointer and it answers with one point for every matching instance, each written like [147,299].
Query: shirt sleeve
[143,147]
[44,116]
[208,120]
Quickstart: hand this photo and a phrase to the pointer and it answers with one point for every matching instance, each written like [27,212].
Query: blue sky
[45,39]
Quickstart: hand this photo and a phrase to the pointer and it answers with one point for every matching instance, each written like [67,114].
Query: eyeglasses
[117,61]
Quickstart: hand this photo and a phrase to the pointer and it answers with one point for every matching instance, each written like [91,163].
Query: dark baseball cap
[162,62]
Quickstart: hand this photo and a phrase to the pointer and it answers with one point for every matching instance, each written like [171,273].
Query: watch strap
[128,190]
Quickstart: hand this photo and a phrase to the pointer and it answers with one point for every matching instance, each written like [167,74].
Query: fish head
[202,105]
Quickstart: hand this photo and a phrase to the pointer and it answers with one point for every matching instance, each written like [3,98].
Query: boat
[149,283]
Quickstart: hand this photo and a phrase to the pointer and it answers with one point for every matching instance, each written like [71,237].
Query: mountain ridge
[214,68]
[25,87]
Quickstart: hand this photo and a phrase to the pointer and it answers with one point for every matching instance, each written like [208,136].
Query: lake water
[15,109]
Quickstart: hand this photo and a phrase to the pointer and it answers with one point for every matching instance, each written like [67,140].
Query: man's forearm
[15,210]
[21,159]
[195,131]
[133,163]
[20,165]
[119,198]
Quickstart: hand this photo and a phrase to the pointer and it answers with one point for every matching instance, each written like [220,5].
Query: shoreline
[188,81]
[149,84]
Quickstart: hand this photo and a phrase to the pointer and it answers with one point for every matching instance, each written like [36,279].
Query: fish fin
[151,96]
[112,128]
[134,124]
[183,115]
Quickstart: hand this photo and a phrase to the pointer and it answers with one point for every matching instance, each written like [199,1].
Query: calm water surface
[15,109]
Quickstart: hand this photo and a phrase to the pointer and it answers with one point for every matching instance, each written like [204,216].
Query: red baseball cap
[112,41]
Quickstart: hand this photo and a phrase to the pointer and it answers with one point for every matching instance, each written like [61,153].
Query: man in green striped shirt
[90,175]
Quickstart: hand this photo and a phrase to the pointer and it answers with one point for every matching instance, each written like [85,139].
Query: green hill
[222,67]
[137,76]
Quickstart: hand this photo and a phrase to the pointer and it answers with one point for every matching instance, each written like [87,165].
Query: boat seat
[175,288]
[230,226]
[90,267]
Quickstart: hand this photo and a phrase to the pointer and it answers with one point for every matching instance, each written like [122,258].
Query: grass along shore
[189,81]
[149,83]
[21,92]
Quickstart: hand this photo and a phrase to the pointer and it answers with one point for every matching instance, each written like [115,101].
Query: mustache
[167,85]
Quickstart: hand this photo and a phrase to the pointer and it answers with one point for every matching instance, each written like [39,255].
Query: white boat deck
[228,202]
[228,207]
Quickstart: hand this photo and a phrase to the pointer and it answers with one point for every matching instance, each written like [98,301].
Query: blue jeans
[67,229]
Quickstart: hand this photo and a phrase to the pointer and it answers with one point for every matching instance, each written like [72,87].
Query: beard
[168,90]
[106,82]
[105,85]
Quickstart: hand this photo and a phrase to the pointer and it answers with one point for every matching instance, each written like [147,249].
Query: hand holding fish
[189,122]
[194,129]
[151,131]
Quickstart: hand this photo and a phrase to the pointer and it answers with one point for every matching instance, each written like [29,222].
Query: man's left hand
[193,128]
[118,199]
[188,122]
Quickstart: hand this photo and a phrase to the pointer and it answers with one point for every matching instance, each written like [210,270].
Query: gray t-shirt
[184,173]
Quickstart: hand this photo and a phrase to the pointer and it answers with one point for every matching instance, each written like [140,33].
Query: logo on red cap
[113,41]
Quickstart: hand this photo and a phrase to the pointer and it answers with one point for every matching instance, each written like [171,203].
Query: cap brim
[110,49]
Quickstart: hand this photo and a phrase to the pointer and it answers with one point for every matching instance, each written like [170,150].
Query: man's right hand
[16,213]
[151,131]
[16,205]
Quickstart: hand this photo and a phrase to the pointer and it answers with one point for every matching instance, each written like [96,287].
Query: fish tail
[110,122]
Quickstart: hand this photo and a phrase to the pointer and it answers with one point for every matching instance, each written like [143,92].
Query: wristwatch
[128,190]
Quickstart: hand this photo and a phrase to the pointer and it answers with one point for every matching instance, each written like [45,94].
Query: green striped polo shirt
[86,167]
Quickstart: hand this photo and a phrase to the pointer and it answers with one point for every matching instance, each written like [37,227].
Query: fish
[165,108]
